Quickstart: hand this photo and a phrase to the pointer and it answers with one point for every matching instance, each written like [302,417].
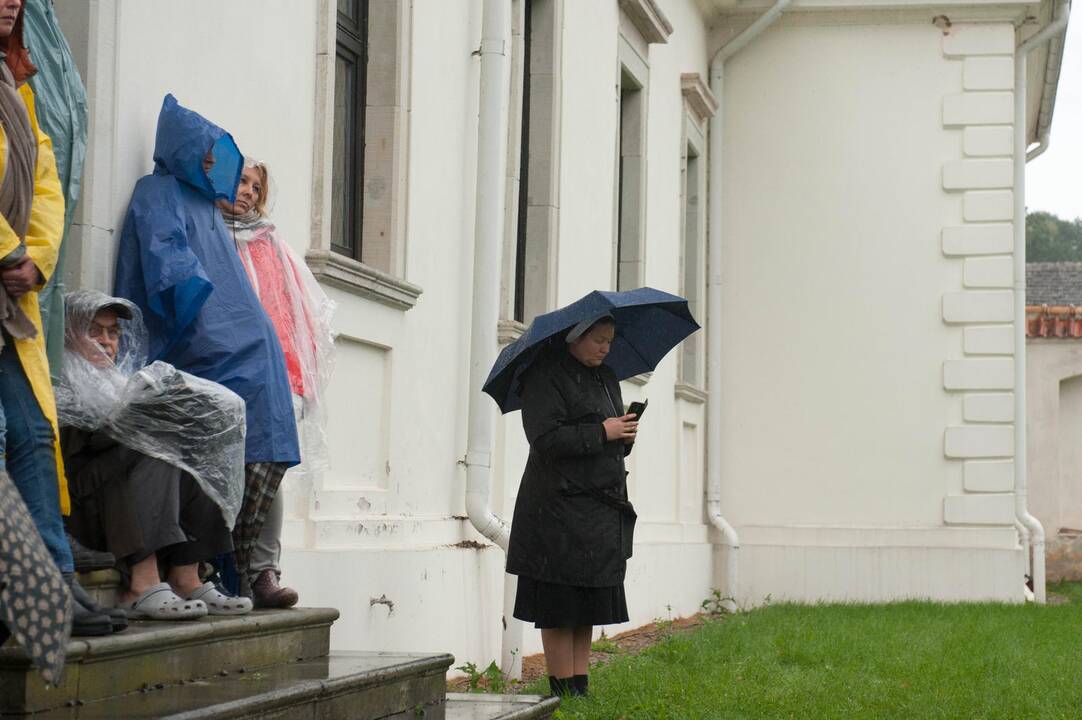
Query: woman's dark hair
[18,56]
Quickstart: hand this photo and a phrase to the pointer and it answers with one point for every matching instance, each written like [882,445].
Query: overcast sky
[1054,180]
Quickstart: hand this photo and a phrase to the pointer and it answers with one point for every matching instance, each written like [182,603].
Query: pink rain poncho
[301,315]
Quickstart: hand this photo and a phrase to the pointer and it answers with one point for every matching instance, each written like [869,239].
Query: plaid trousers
[261,481]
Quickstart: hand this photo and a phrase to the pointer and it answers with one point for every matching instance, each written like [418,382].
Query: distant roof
[1054,283]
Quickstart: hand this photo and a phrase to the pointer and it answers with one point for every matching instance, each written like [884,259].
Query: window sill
[510,331]
[690,393]
[640,379]
[355,277]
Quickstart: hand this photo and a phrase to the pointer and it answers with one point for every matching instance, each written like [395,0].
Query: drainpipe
[713,311]
[488,231]
[1034,548]
[1051,86]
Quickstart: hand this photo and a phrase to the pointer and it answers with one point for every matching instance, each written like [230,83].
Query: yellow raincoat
[43,237]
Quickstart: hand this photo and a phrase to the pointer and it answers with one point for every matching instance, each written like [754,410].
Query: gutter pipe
[488,230]
[1051,83]
[1032,538]
[713,312]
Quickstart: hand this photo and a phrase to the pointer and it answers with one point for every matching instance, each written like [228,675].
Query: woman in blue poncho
[177,262]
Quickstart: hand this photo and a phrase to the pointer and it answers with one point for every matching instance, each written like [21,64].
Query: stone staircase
[274,665]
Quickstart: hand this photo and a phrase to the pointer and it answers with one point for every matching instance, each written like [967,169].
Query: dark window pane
[344,181]
[348,8]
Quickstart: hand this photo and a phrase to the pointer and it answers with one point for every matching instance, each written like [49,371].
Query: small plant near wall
[604,644]
[716,605]
[490,680]
[665,625]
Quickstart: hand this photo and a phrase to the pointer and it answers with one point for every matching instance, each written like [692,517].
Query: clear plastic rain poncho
[299,310]
[191,423]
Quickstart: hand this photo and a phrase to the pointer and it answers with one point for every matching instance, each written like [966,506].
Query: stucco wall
[834,274]
[1054,414]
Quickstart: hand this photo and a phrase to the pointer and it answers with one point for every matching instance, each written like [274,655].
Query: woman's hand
[621,428]
[21,277]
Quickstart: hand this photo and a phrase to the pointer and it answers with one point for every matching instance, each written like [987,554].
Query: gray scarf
[250,220]
[16,191]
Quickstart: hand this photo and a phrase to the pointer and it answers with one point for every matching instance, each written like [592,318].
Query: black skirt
[549,605]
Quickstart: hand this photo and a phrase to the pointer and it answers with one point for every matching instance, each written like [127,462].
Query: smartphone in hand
[638,408]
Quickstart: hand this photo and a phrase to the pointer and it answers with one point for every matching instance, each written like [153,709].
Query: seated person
[130,436]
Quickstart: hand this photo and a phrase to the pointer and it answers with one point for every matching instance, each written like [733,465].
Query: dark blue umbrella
[649,323]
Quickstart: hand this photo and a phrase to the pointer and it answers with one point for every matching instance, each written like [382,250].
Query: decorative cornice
[698,96]
[360,279]
[690,393]
[648,19]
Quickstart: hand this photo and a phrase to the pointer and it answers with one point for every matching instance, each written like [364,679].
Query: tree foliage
[1052,239]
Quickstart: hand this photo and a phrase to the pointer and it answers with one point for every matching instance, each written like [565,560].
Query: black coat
[562,531]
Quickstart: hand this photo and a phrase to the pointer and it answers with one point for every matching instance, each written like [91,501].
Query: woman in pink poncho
[301,314]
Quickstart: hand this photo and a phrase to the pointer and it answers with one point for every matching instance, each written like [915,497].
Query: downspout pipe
[1034,549]
[1051,81]
[488,231]
[713,311]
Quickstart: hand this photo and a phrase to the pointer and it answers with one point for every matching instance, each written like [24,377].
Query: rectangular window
[524,172]
[691,365]
[630,181]
[533,152]
[350,84]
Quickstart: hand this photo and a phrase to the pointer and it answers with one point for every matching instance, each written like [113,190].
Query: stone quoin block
[988,73]
[986,205]
[988,340]
[984,108]
[988,272]
[978,174]
[988,475]
[976,441]
[979,39]
[988,407]
[986,141]
[987,239]
[979,374]
[978,306]
[988,509]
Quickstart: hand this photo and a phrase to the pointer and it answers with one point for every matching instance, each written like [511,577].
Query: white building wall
[1054,414]
[837,389]
[836,347]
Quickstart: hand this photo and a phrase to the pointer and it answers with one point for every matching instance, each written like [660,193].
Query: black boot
[560,687]
[84,621]
[580,685]
[87,559]
[117,618]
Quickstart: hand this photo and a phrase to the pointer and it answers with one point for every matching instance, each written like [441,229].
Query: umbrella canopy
[35,603]
[649,323]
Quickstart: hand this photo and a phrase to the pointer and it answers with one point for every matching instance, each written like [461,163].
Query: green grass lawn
[904,660]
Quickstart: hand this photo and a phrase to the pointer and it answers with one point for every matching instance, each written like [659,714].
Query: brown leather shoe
[267,593]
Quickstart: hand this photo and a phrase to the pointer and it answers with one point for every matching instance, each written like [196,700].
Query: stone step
[358,686]
[149,654]
[462,706]
[102,585]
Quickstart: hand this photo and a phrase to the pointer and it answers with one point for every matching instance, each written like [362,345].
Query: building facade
[866,151]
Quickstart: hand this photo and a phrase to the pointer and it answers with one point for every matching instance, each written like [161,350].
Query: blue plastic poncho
[177,262]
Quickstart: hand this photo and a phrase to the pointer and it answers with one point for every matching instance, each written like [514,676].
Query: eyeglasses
[112,332]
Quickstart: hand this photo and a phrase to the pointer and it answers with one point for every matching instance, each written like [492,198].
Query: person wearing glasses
[126,498]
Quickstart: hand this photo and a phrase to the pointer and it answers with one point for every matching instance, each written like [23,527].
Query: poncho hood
[183,139]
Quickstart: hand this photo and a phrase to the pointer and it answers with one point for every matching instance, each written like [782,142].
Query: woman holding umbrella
[572,530]
[571,534]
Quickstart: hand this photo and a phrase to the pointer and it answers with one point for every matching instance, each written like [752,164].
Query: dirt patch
[630,642]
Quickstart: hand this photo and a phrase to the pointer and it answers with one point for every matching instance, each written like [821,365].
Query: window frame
[351,44]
